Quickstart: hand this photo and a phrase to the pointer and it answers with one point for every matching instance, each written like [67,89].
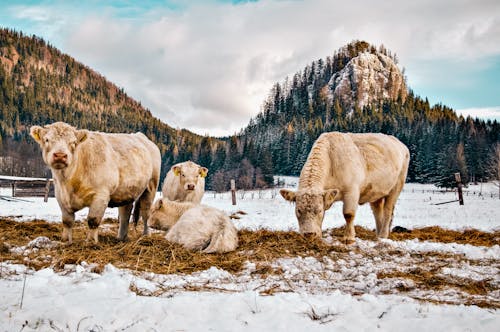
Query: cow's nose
[60,156]
[190,186]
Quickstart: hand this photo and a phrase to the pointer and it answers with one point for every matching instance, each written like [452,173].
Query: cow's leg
[349,209]
[124,218]
[146,200]
[390,202]
[378,213]
[68,219]
[388,215]
[96,212]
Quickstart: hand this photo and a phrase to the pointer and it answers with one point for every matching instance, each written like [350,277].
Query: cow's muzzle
[59,160]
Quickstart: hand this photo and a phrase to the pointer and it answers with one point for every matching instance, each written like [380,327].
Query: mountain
[41,85]
[360,88]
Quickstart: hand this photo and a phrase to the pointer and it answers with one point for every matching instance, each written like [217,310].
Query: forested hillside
[299,109]
[359,89]
[40,85]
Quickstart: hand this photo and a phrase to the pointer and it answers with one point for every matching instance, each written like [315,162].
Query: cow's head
[58,142]
[189,174]
[310,207]
[164,213]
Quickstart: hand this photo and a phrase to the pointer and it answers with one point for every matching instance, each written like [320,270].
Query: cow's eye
[183,175]
[46,140]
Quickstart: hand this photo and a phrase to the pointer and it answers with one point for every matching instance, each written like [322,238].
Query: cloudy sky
[208,65]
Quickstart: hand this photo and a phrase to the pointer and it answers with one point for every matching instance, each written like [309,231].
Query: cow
[185,182]
[99,170]
[355,169]
[197,227]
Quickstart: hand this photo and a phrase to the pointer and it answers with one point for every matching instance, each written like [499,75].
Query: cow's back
[385,160]
[137,161]
[370,163]
[119,164]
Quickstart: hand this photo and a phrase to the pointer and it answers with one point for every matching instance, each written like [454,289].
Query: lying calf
[195,226]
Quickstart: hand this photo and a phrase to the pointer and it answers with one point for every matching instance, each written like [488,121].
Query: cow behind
[185,182]
[355,169]
[97,170]
[195,226]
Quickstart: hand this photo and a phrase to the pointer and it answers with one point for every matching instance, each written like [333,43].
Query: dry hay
[434,234]
[262,247]
[429,279]
[152,253]
[437,234]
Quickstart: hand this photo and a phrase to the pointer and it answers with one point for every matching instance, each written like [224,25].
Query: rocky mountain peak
[367,78]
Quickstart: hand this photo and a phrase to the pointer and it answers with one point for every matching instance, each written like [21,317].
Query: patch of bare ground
[424,276]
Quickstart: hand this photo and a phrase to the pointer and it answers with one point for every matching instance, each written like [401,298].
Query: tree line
[40,85]
[441,143]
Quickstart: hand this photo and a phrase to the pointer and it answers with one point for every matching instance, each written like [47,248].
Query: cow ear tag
[203,172]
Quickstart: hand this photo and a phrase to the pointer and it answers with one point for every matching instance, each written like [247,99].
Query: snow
[85,301]
[17,178]
[320,294]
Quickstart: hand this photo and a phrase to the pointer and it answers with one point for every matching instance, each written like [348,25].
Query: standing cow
[185,182]
[354,169]
[97,170]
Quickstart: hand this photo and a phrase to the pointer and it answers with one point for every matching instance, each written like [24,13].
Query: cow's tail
[224,239]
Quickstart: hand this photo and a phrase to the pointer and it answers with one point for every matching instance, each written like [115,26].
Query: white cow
[97,170]
[185,182]
[354,169]
[195,226]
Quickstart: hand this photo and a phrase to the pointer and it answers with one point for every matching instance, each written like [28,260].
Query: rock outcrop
[368,78]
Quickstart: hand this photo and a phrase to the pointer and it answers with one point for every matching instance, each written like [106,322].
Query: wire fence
[471,193]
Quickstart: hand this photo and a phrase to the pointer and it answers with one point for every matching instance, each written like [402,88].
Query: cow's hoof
[92,236]
[348,241]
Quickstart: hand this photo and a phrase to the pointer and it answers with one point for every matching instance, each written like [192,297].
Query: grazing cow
[354,169]
[97,170]
[195,226]
[185,182]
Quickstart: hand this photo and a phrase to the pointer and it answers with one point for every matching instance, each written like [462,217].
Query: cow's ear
[176,170]
[203,172]
[37,133]
[329,197]
[157,205]
[81,135]
[288,195]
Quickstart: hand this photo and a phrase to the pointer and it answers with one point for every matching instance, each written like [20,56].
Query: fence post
[459,189]
[47,190]
[13,185]
[233,191]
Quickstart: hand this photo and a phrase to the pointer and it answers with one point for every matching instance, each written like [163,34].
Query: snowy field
[326,295]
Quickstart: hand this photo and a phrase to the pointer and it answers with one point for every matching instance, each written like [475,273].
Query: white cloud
[208,67]
[492,113]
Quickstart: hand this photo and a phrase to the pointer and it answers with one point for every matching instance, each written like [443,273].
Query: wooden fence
[28,187]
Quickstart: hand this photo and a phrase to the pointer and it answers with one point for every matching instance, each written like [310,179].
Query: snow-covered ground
[310,294]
